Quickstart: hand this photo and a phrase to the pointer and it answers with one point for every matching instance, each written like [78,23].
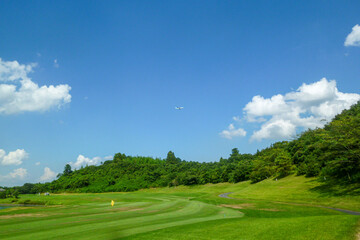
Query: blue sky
[110,73]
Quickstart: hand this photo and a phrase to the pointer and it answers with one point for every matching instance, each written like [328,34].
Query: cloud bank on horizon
[281,115]
[83,161]
[16,158]
[18,93]
[19,173]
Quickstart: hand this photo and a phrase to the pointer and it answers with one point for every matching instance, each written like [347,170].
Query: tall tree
[171,159]
[67,170]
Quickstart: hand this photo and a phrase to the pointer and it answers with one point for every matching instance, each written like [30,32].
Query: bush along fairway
[174,213]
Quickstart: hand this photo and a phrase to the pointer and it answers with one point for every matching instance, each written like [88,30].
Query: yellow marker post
[112,203]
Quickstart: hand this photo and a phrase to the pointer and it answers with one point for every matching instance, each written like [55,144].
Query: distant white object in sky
[179,108]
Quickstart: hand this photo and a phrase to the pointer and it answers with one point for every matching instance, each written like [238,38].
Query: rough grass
[284,209]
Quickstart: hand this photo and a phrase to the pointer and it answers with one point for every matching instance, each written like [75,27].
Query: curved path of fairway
[98,220]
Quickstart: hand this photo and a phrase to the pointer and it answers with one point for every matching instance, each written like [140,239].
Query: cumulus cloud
[307,107]
[276,129]
[13,158]
[233,132]
[260,107]
[37,163]
[19,93]
[12,71]
[19,173]
[48,175]
[82,160]
[353,39]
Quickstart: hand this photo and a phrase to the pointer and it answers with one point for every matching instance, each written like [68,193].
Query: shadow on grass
[332,188]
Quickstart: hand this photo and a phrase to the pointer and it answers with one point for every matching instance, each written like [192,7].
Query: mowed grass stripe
[67,229]
[56,222]
[298,228]
[75,211]
[153,227]
[141,225]
[67,214]
[180,210]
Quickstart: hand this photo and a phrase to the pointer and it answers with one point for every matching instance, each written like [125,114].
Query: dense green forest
[332,153]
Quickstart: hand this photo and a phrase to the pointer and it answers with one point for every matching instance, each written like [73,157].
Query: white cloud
[275,130]
[12,71]
[108,158]
[23,95]
[82,160]
[37,163]
[306,107]
[18,173]
[314,94]
[48,175]
[353,39]
[260,106]
[233,132]
[2,153]
[13,158]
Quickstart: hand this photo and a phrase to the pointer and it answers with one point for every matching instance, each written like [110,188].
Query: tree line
[331,152]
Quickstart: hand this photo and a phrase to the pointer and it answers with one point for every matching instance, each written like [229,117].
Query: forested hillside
[332,153]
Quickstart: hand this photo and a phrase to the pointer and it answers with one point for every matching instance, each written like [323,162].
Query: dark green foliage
[333,151]
[283,163]
[16,194]
[67,170]
[342,142]
[2,195]
[27,188]
[127,173]
[171,159]
[241,171]
[10,193]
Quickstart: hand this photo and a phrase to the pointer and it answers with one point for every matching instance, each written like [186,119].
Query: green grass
[302,190]
[292,189]
[259,211]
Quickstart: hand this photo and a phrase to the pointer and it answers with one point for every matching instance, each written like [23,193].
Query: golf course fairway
[173,213]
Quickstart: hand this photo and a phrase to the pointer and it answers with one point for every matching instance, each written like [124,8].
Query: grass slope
[298,189]
[186,213]
[291,189]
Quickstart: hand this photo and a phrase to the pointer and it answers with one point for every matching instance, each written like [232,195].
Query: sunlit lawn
[259,212]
